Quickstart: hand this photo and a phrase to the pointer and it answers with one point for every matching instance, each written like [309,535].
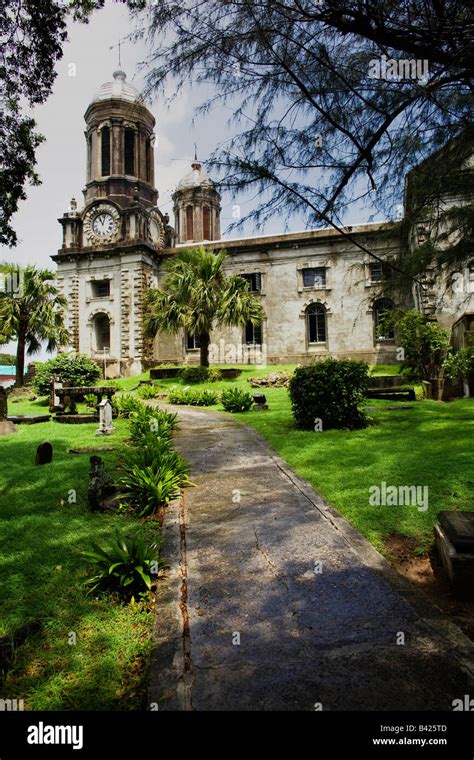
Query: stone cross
[105,418]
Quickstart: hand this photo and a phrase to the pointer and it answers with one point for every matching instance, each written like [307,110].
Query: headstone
[55,403]
[101,485]
[6,427]
[105,418]
[44,453]
[3,404]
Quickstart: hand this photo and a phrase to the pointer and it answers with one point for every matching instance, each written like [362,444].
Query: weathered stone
[101,485]
[3,404]
[44,453]
[105,418]
[7,427]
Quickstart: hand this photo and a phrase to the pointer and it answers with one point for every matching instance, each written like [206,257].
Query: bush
[90,400]
[148,391]
[236,400]
[8,360]
[126,405]
[330,391]
[73,370]
[151,420]
[460,365]
[126,567]
[198,374]
[193,398]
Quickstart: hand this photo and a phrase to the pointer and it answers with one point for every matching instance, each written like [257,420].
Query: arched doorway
[101,332]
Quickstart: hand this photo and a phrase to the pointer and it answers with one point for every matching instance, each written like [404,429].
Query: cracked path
[274,602]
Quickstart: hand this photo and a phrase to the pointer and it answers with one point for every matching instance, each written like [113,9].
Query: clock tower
[110,251]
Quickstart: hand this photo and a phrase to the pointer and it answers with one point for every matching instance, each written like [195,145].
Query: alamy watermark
[237,353]
[393,69]
[399,496]
[11,283]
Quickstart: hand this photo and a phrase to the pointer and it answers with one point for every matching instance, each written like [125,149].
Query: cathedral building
[322,295]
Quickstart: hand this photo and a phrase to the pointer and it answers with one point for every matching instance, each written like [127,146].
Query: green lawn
[41,534]
[430,445]
[41,577]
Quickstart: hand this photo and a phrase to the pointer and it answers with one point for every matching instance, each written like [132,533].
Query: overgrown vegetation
[72,369]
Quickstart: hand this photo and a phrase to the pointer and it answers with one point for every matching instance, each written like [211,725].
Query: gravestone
[105,418]
[455,543]
[3,404]
[6,427]
[55,403]
[44,453]
[101,485]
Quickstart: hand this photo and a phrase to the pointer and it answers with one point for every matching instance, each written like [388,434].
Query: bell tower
[110,251]
[197,207]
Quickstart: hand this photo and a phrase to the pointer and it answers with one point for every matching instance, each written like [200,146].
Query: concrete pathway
[274,602]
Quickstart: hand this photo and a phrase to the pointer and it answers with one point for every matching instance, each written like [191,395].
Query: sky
[87,63]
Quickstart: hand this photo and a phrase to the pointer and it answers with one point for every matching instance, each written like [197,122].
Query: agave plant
[151,420]
[127,567]
[236,400]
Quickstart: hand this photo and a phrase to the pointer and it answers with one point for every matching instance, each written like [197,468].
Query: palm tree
[31,312]
[197,295]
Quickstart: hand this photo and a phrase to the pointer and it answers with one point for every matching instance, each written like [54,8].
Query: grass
[41,579]
[41,533]
[430,444]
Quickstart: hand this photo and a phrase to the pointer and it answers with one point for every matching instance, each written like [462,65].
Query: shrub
[329,391]
[151,420]
[8,360]
[155,485]
[425,342]
[91,400]
[148,391]
[126,405]
[460,365]
[126,567]
[193,398]
[73,369]
[198,374]
[236,400]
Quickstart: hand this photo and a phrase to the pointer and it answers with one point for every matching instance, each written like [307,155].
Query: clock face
[103,225]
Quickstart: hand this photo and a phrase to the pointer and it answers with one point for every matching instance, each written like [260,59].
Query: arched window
[381,307]
[206,223]
[148,160]
[105,151]
[189,223]
[89,157]
[129,151]
[316,323]
[102,332]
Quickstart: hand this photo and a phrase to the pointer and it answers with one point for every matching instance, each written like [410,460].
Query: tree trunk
[204,340]
[20,361]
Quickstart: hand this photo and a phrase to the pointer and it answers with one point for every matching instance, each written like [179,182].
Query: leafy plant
[148,420]
[329,391]
[193,398]
[424,342]
[460,365]
[148,391]
[148,488]
[236,400]
[91,400]
[199,374]
[73,369]
[126,405]
[126,567]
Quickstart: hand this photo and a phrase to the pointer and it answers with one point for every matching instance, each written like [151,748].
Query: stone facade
[322,295]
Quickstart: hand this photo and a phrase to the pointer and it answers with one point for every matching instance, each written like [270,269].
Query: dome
[195,178]
[119,89]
